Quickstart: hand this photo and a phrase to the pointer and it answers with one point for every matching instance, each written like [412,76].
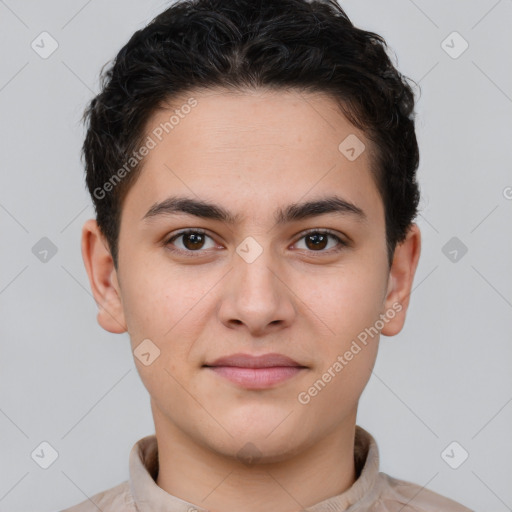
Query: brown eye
[191,241]
[318,241]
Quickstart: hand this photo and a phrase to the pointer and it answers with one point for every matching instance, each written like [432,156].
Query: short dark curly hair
[309,46]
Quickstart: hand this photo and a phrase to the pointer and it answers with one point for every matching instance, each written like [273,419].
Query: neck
[195,473]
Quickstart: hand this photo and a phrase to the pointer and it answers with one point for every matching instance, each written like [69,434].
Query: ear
[102,278]
[401,276]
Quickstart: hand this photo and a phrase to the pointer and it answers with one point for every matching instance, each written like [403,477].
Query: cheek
[346,354]
[335,392]
[170,307]
[154,299]
[165,311]
[351,302]
[349,306]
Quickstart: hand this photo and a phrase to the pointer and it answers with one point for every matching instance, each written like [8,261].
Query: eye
[318,240]
[196,241]
[192,240]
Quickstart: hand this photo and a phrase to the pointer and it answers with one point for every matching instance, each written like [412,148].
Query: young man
[252,166]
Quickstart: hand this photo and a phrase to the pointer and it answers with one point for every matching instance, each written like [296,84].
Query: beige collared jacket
[373,491]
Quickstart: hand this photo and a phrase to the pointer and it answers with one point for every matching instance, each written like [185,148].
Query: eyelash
[342,244]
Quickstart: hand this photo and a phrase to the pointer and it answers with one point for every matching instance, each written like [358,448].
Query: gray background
[446,377]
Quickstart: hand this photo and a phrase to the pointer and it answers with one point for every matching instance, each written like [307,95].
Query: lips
[249,361]
[255,372]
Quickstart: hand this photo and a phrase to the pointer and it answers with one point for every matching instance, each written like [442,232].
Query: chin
[261,445]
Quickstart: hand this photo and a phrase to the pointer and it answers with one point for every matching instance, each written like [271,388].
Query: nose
[257,297]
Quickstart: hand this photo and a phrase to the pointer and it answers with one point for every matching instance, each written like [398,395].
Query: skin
[251,153]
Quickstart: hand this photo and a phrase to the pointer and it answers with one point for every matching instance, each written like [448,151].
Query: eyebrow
[293,212]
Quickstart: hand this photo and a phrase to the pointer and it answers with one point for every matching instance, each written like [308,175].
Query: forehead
[254,149]
[235,122]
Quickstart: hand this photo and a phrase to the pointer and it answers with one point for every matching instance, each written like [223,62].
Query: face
[251,230]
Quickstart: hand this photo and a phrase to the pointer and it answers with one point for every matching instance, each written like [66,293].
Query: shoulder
[115,499]
[396,494]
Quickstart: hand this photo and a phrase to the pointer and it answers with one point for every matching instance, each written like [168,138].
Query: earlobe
[102,278]
[401,277]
